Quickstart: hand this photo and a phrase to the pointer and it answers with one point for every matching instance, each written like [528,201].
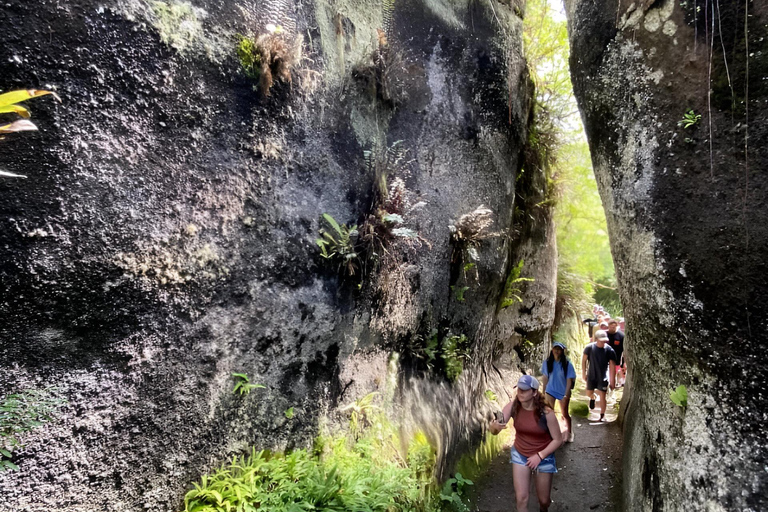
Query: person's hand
[584,376]
[533,461]
[497,426]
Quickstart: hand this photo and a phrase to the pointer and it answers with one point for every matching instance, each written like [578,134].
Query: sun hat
[558,344]
[527,382]
[601,335]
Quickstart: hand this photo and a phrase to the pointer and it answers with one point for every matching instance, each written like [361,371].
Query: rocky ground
[589,469]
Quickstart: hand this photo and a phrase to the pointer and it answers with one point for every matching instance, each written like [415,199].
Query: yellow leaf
[15,108]
[9,98]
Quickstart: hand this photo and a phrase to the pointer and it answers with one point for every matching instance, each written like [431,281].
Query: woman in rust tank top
[537,436]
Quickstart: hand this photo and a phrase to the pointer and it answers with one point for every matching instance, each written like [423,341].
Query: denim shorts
[548,465]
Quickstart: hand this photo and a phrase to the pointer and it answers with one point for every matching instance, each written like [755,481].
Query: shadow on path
[589,469]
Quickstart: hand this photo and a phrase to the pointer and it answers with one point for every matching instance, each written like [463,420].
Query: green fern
[243,384]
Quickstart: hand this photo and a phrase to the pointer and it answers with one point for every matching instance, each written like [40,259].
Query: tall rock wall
[685,198]
[165,235]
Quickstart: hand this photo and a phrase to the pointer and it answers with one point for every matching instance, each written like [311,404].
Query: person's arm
[569,387]
[554,444]
[584,367]
[612,375]
[544,380]
[496,426]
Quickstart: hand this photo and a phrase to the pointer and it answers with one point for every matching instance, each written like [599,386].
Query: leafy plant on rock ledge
[340,244]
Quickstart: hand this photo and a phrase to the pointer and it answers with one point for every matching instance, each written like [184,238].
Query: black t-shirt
[616,341]
[598,361]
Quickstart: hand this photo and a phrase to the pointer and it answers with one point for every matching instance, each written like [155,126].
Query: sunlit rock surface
[687,216]
[165,236]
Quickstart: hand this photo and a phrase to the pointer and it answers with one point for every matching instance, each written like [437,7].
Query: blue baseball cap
[527,382]
[558,344]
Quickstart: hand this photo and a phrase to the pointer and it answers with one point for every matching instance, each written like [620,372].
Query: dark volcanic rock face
[687,219]
[165,237]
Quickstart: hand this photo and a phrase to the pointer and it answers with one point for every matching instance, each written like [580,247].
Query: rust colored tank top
[531,435]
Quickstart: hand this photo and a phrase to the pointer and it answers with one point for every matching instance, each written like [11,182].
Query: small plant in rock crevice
[243,385]
[679,396]
[459,292]
[270,56]
[690,119]
[512,288]
[341,244]
[22,412]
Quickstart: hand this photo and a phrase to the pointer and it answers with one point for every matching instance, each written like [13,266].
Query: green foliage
[582,236]
[340,244]
[449,352]
[577,408]
[512,290]
[249,55]
[455,350]
[690,119]
[607,296]
[361,412]
[459,292]
[243,384]
[679,396]
[367,472]
[289,413]
[490,395]
[453,490]
[22,412]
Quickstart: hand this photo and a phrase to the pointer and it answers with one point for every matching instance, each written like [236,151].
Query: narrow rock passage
[589,469]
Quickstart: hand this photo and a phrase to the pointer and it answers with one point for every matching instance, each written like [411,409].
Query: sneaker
[602,417]
[570,437]
[591,403]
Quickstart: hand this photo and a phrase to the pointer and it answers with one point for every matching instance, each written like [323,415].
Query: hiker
[559,377]
[595,362]
[591,324]
[616,342]
[537,436]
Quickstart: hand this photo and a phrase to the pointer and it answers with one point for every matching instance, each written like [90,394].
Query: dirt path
[589,469]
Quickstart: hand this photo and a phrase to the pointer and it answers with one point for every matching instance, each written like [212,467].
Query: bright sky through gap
[558,9]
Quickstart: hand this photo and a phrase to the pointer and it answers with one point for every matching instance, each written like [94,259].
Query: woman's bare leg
[521,477]
[564,409]
[543,490]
